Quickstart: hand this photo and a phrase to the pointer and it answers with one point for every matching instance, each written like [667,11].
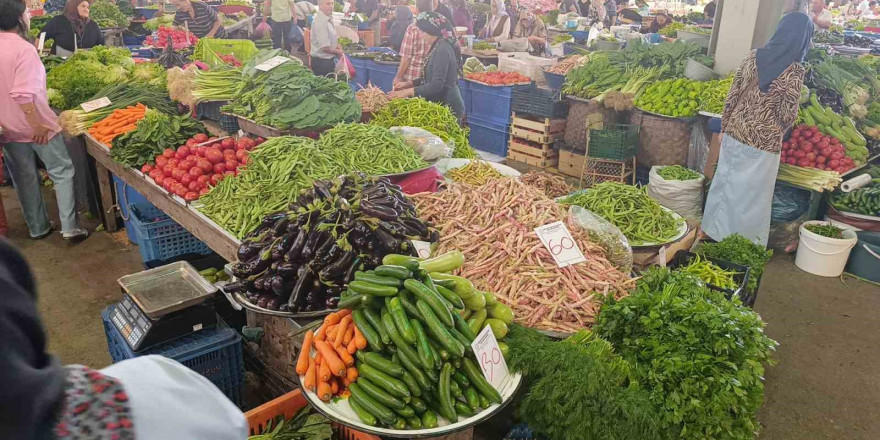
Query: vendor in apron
[531,29]
[73,30]
[761,106]
[199,18]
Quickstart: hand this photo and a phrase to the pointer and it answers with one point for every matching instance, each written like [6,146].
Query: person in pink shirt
[29,128]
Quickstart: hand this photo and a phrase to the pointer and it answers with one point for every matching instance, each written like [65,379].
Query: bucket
[696,71]
[823,256]
[865,259]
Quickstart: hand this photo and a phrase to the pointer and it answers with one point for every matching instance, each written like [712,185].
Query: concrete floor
[826,384]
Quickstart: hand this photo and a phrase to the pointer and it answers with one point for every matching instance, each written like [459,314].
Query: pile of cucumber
[841,127]
[418,364]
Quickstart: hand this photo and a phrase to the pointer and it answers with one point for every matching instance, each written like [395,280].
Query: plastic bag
[295,35]
[344,68]
[515,45]
[789,209]
[603,233]
[682,196]
[427,144]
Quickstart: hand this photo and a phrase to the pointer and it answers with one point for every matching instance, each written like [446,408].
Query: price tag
[423,248]
[95,104]
[557,239]
[661,257]
[272,63]
[240,133]
[490,359]
[42,43]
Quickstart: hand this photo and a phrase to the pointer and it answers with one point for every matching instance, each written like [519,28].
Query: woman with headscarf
[461,16]
[73,29]
[439,82]
[661,20]
[147,397]
[403,17]
[498,27]
[761,106]
[532,28]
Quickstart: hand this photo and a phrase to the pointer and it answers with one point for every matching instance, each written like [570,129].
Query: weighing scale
[162,304]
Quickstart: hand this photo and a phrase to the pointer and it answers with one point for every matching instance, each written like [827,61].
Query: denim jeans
[23,170]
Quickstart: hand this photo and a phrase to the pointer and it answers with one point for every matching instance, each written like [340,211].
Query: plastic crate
[214,353]
[554,80]
[133,40]
[492,104]
[228,123]
[539,102]
[465,89]
[488,136]
[615,142]
[159,237]
[382,75]
[287,405]
[125,196]
[140,52]
[210,110]
[741,278]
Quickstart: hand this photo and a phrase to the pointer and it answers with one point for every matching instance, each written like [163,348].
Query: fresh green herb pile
[121,95]
[678,172]
[86,72]
[671,29]
[825,230]
[739,250]
[305,425]
[639,217]
[484,45]
[369,149]
[220,84]
[594,77]
[711,273]
[580,389]
[436,118]
[156,132]
[107,15]
[290,97]
[700,356]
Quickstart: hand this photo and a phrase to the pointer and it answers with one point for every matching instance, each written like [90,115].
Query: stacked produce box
[492,97]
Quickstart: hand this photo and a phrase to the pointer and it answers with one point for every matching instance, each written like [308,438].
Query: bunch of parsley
[739,250]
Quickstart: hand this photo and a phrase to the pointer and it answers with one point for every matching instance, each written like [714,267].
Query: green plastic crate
[209,50]
[615,142]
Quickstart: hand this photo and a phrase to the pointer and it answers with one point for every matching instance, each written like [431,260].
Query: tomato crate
[537,129]
[614,142]
[532,153]
[596,171]
[287,406]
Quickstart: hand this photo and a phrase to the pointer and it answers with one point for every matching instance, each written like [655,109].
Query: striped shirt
[201,22]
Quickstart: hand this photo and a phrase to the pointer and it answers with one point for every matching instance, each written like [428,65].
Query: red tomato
[186,164]
[156,175]
[834,162]
[173,162]
[836,155]
[240,154]
[228,155]
[228,143]
[191,196]
[180,191]
[194,186]
[168,182]
[821,159]
[259,140]
[196,172]
[204,191]
[168,153]
[146,168]
[186,179]
[205,165]
[229,173]
[219,168]
[231,164]
[201,137]
[216,178]
[810,156]
[244,160]
[204,179]
[191,143]
[177,173]
[200,151]
[214,155]
[185,151]
[161,161]
[167,170]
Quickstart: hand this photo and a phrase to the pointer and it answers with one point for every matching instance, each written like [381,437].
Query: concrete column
[744,25]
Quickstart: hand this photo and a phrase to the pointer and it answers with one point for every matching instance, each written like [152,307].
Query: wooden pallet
[542,130]
[571,164]
[542,156]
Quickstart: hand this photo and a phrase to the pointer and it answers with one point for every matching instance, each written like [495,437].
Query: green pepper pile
[678,172]
[714,94]
[710,273]
[419,363]
[676,98]
[825,230]
[436,118]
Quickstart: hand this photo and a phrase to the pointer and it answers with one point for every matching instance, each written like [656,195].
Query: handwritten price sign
[95,104]
[272,63]
[490,359]
[557,239]
[423,248]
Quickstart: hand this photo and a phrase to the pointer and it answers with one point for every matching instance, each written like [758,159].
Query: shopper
[610,13]
[644,10]
[761,106]
[29,128]
[498,28]
[279,14]
[440,81]
[403,18]
[570,7]
[73,30]
[199,18]
[370,8]
[820,14]
[709,10]
[413,50]
[532,28]
[145,398]
[462,17]
[442,9]
[661,20]
[324,44]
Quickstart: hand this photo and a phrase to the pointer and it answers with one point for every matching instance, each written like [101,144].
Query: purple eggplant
[316,239]
[249,249]
[349,271]
[272,219]
[298,293]
[336,270]
[293,253]
[378,211]
[331,302]
[287,270]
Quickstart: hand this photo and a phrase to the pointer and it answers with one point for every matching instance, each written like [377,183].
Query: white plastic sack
[682,196]
[429,146]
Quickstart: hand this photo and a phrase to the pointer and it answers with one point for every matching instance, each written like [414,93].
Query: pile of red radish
[809,148]
[202,163]
[180,39]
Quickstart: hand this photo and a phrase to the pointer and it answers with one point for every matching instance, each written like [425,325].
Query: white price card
[95,104]
[240,133]
[661,257]
[423,248]
[42,43]
[489,358]
[272,63]
[557,239]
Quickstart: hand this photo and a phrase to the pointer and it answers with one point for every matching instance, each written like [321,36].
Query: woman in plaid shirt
[413,50]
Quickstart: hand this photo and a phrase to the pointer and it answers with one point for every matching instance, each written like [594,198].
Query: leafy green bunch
[107,14]
[740,250]
[86,72]
[700,356]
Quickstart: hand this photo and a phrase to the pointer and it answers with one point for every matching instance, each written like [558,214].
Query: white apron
[741,194]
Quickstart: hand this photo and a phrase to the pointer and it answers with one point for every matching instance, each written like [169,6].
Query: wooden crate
[540,155]
[542,130]
[596,171]
[571,163]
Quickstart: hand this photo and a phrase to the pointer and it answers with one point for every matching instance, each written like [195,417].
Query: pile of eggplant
[299,260]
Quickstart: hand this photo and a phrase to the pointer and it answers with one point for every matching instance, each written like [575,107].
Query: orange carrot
[302,364]
[309,381]
[318,358]
[359,339]
[330,358]
[340,332]
[351,348]
[344,356]
[349,334]
[322,333]
[325,393]
[323,372]
[334,318]
[334,386]
[351,374]
[346,382]
[331,332]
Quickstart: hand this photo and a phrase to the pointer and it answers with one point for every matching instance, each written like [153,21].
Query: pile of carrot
[119,122]
[329,372]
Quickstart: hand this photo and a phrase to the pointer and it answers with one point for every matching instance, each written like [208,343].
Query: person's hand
[395,82]
[402,85]
[405,93]
[41,134]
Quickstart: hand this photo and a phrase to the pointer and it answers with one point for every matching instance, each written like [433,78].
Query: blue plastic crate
[160,238]
[125,196]
[492,104]
[141,52]
[465,88]
[488,136]
[554,80]
[361,73]
[214,353]
[133,40]
[383,50]
[382,75]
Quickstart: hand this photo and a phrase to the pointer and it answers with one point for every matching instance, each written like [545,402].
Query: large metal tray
[167,289]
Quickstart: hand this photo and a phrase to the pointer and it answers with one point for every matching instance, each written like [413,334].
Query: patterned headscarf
[435,24]
[789,45]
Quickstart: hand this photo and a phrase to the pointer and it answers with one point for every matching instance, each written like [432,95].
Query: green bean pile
[640,218]
[678,172]
[711,273]
[436,118]
[275,173]
[369,149]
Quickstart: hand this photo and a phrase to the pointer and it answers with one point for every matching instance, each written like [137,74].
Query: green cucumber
[362,413]
[379,394]
[500,311]
[375,408]
[442,263]
[383,364]
[355,301]
[462,326]
[475,375]
[475,322]
[422,347]
[476,302]
[436,328]
[484,401]
[429,419]
[409,304]
[418,405]
[819,116]
[426,295]
[411,263]
[454,389]
[450,296]
[462,339]
[461,379]
[490,299]
[463,409]
[461,286]
[406,411]
[440,354]
[412,384]
[499,328]
[399,424]
[444,394]
[413,423]
[466,313]
[472,397]
[413,368]
[373,278]
[398,272]
[372,289]
[376,321]
[372,337]
[392,385]
[401,321]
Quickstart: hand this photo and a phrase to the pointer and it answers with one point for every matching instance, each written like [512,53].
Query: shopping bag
[344,67]
[296,35]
